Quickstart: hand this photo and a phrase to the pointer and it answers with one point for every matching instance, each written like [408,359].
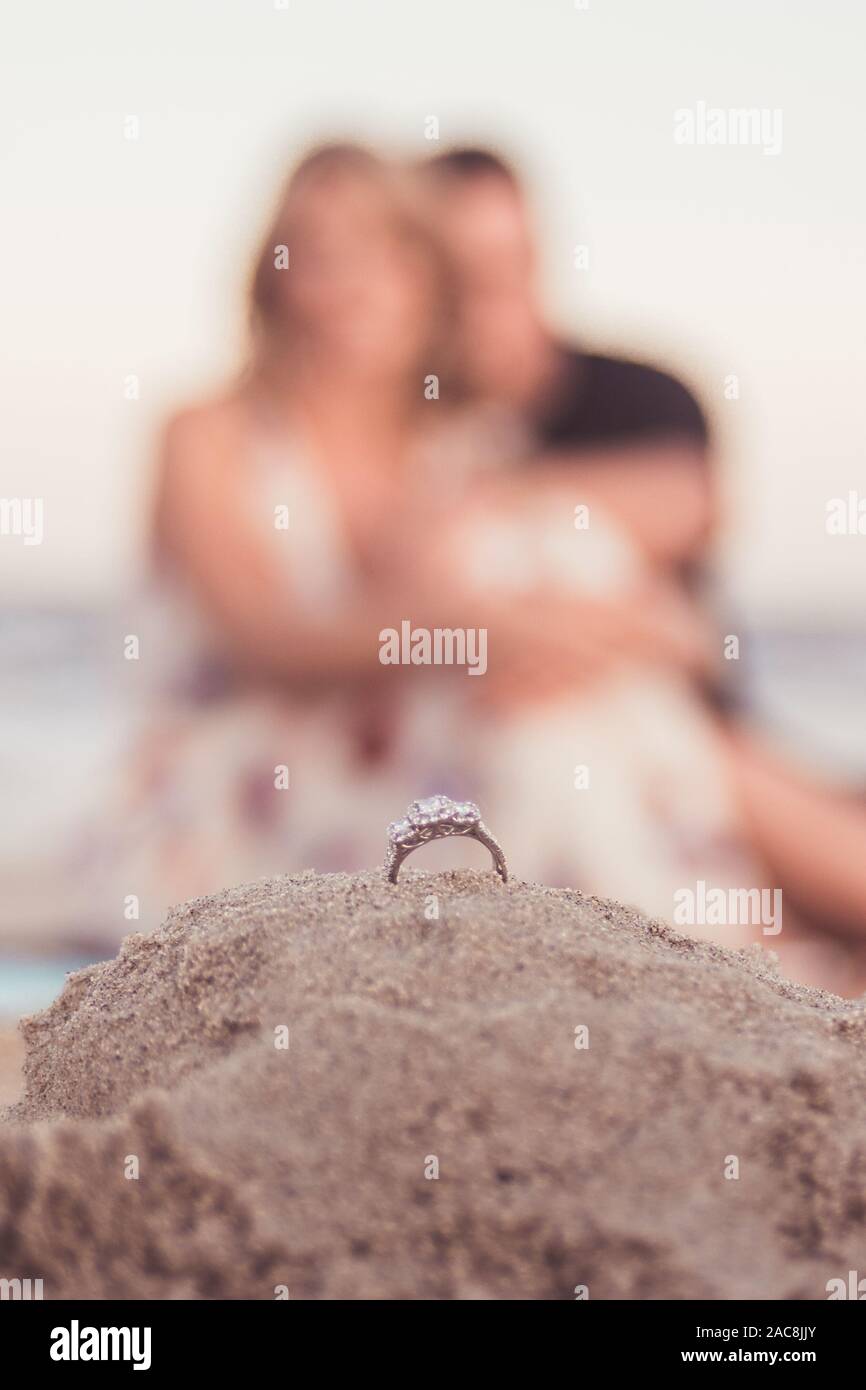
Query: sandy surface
[413,1039]
[11,1062]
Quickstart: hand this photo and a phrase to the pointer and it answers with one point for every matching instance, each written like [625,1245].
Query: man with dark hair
[634,439]
[636,435]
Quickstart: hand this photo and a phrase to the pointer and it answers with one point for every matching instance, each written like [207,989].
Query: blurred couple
[408,440]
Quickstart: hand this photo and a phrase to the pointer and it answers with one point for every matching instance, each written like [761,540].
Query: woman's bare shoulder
[219,418]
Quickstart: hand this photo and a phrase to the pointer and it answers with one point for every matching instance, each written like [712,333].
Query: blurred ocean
[66,703]
[70,705]
[806,688]
[66,706]
[31,983]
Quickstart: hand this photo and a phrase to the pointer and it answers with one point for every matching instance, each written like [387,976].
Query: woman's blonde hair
[406,196]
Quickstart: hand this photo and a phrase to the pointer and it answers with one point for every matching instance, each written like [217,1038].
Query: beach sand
[11,1061]
[419,1044]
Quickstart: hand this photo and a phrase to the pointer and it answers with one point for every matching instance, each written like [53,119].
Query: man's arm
[661,493]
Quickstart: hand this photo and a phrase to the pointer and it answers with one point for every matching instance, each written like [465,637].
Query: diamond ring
[433,819]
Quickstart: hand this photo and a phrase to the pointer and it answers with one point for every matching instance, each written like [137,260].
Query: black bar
[240,1338]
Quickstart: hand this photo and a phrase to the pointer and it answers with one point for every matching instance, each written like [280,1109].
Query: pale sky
[129,256]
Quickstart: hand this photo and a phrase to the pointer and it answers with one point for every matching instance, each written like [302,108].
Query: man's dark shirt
[599,401]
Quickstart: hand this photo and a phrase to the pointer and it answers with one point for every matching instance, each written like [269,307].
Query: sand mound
[413,1040]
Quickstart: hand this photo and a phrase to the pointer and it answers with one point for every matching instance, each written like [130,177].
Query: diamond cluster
[434,812]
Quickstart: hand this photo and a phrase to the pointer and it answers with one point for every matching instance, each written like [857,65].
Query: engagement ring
[433,819]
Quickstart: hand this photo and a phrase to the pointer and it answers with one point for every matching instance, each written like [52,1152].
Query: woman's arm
[203,529]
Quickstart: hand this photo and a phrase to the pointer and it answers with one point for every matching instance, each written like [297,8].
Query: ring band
[435,818]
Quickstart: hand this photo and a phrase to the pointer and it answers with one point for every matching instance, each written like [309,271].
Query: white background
[131,256]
